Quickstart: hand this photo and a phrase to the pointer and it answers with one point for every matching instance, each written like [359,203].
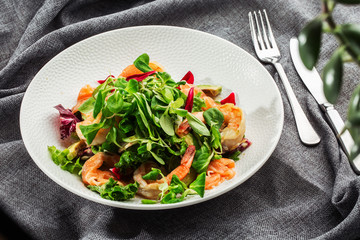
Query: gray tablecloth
[301,192]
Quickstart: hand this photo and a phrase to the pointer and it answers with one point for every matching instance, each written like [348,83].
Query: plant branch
[327,13]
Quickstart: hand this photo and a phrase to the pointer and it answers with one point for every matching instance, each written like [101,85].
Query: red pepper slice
[102,81]
[190,100]
[189,77]
[229,99]
[141,76]
[115,171]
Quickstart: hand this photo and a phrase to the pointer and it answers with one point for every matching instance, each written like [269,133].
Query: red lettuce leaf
[141,76]
[229,99]
[190,100]
[67,121]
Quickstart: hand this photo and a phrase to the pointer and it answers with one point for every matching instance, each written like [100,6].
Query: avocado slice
[191,140]
[210,90]
[190,177]
[75,148]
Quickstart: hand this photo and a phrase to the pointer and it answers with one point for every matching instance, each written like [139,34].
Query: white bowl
[210,58]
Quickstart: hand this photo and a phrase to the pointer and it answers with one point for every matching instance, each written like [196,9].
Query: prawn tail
[183,169]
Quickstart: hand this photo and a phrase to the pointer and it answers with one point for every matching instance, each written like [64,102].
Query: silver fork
[268,52]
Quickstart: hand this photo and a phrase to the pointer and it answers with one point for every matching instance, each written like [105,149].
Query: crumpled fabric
[300,193]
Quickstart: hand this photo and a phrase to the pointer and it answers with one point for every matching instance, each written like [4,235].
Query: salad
[142,133]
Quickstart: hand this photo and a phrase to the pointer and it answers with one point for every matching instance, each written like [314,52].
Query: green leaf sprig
[348,37]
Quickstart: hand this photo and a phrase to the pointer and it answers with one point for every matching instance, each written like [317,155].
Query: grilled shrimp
[218,171]
[234,126]
[100,136]
[150,188]
[232,131]
[147,188]
[183,169]
[91,173]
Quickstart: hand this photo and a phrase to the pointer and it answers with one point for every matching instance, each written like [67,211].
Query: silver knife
[314,84]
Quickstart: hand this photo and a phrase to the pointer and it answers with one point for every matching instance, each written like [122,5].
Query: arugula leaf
[103,86]
[166,79]
[198,126]
[114,135]
[106,113]
[178,103]
[180,112]
[199,184]
[132,86]
[115,102]
[113,191]
[202,158]
[121,83]
[170,197]
[142,63]
[176,185]
[90,131]
[153,174]
[99,102]
[168,95]
[215,140]
[157,158]
[87,106]
[158,103]
[214,117]
[183,147]
[167,124]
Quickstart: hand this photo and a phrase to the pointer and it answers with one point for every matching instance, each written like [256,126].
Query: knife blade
[314,84]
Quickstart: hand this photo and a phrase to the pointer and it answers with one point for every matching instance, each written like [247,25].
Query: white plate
[210,58]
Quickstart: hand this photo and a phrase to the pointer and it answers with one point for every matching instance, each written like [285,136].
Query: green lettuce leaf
[61,158]
[112,191]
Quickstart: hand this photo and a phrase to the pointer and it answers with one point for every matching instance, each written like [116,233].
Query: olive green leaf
[354,152]
[348,1]
[353,118]
[351,33]
[332,76]
[309,42]
[354,104]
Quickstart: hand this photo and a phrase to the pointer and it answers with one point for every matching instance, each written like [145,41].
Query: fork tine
[258,32]
[264,31]
[253,32]
[271,36]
